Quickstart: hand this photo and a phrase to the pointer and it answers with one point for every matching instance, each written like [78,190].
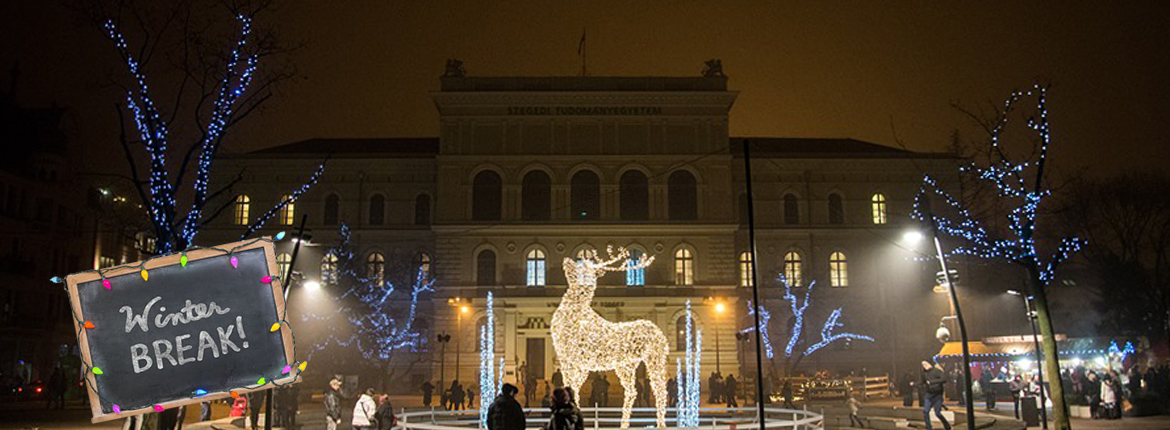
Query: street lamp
[720,308]
[1035,341]
[312,286]
[742,337]
[443,338]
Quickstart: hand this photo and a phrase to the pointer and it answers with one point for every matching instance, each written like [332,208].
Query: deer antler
[622,256]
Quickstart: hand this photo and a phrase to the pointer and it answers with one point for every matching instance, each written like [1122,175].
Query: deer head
[582,274]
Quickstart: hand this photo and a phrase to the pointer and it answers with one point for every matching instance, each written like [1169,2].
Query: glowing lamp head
[312,286]
[912,237]
[464,309]
[720,308]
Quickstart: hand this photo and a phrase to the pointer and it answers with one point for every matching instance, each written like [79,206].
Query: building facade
[529,171]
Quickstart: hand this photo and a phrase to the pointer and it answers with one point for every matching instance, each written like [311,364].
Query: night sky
[861,69]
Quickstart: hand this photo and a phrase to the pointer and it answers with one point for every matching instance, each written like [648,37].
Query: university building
[528,171]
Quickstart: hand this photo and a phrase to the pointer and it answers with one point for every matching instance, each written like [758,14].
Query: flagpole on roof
[581,51]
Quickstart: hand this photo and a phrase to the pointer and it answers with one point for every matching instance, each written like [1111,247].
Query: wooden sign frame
[72,282]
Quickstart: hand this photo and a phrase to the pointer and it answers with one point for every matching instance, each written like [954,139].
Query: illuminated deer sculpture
[587,342]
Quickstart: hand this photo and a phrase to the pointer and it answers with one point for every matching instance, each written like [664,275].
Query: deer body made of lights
[587,342]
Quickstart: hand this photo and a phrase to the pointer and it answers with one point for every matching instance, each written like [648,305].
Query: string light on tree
[689,375]
[587,342]
[489,381]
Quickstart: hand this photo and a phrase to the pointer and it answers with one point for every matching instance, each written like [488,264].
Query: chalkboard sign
[182,329]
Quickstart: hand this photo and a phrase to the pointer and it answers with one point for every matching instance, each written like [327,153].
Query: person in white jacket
[365,411]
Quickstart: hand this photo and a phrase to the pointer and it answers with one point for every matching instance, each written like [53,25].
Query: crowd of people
[1105,390]
[372,411]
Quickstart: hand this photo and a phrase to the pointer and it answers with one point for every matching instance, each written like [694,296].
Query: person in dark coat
[428,390]
[385,414]
[672,392]
[333,404]
[985,379]
[786,392]
[455,396]
[255,404]
[505,412]
[729,386]
[934,384]
[565,415]
[558,380]
[1017,388]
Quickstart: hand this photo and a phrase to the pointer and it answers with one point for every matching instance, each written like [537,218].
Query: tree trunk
[1051,354]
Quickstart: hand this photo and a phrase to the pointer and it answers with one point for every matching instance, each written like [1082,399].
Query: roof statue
[454,69]
[714,68]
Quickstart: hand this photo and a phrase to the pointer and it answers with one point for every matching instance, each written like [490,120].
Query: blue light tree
[1019,185]
[689,376]
[371,315]
[797,347]
[224,99]
[490,381]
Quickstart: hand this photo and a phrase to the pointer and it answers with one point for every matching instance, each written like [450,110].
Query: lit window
[792,268]
[288,212]
[745,269]
[635,276]
[684,267]
[424,265]
[376,267]
[535,268]
[283,261]
[241,213]
[329,268]
[879,209]
[838,270]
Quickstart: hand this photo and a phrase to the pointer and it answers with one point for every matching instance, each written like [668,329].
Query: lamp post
[459,336]
[443,338]
[720,308]
[742,338]
[1039,362]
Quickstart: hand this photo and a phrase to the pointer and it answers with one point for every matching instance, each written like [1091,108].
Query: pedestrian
[1093,393]
[1135,381]
[934,384]
[1108,397]
[854,407]
[1017,388]
[204,411]
[564,415]
[672,392]
[786,392]
[529,389]
[333,404]
[985,379]
[455,396]
[906,389]
[255,404]
[558,380]
[600,395]
[471,397]
[291,405]
[385,416]
[729,391]
[713,384]
[365,411]
[505,412]
[428,390]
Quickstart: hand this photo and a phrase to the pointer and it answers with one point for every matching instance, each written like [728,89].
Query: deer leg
[626,373]
[575,378]
[656,371]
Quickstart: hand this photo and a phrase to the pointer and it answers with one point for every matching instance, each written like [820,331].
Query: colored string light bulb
[235,262]
[158,408]
[200,392]
[287,369]
[275,327]
[88,324]
[117,409]
[106,283]
[183,260]
[261,381]
[303,365]
[97,370]
[235,394]
[280,235]
[145,275]
[266,279]
[55,280]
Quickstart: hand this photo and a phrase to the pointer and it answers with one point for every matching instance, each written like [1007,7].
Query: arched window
[585,193]
[684,267]
[332,209]
[838,270]
[485,200]
[424,265]
[878,202]
[329,268]
[680,332]
[422,210]
[635,276]
[535,268]
[287,214]
[791,210]
[283,261]
[792,269]
[376,267]
[485,268]
[682,196]
[836,209]
[377,209]
[745,269]
[635,196]
[243,204]
[535,197]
